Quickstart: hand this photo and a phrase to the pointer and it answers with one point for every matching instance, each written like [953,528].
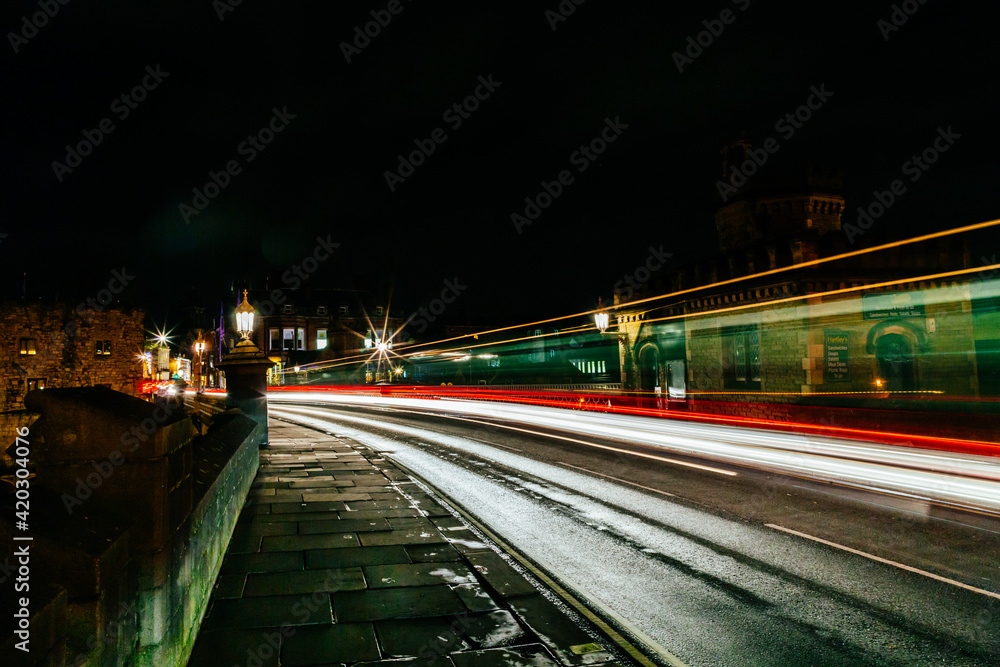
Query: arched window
[894,362]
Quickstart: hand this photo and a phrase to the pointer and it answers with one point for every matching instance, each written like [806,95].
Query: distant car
[166,390]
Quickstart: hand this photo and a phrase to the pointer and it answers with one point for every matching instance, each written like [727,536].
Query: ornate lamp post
[200,349]
[601,319]
[246,373]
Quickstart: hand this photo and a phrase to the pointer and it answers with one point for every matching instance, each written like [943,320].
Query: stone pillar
[246,384]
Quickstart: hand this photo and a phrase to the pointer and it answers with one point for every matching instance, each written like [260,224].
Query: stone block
[425,638]
[344,642]
[282,561]
[303,542]
[493,629]
[89,423]
[154,611]
[532,654]
[499,574]
[226,647]
[417,574]
[343,526]
[270,612]
[556,630]
[306,581]
[375,605]
[353,557]
[434,553]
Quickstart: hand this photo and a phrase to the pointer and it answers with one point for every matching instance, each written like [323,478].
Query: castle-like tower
[777,212]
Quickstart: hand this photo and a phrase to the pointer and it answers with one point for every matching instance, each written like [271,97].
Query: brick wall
[65,360]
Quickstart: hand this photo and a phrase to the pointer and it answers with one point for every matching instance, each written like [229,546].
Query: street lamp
[601,317]
[200,348]
[244,318]
[246,368]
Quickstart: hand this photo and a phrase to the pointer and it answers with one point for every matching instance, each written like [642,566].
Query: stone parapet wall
[136,566]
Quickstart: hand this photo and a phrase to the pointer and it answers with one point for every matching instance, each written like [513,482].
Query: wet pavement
[340,558]
[704,563]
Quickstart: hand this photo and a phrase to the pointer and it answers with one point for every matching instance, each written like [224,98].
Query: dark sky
[324,173]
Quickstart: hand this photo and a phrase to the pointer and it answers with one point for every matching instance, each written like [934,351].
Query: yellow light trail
[768,304]
[721,283]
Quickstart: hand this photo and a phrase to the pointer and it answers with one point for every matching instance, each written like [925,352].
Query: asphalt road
[703,560]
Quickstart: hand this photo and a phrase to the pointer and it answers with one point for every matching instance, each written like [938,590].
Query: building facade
[313,328]
[884,324]
[54,346]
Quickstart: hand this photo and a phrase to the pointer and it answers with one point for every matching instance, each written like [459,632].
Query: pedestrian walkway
[341,558]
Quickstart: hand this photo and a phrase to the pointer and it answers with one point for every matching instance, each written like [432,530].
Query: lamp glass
[244,317]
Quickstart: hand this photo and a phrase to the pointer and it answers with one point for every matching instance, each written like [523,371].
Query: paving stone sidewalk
[339,558]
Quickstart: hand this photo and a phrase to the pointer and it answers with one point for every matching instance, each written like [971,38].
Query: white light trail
[963,480]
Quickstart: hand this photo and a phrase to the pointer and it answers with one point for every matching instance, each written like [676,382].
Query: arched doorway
[649,367]
[894,360]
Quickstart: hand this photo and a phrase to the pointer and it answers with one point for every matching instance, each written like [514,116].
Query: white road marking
[623,481]
[886,561]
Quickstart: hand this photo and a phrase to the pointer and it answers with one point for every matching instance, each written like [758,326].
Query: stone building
[857,327]
[296,328]
[54,346]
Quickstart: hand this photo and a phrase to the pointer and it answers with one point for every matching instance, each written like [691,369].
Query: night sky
[344,124]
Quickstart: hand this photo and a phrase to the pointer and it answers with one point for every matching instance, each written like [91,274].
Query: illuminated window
[300,339]
[321,339]
[287,309]
[36,383]
[538,332]
[288,338]
[27,346]
[743,361]
[275,339]
[102,348]
[343,311]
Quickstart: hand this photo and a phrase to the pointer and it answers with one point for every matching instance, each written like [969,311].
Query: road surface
[719,564]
